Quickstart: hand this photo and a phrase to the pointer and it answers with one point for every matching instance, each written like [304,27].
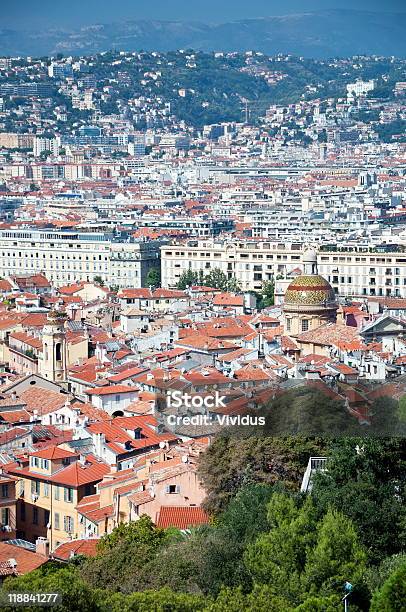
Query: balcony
[316,464]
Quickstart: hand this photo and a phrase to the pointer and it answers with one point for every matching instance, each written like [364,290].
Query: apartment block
[51,482]
[64,257]
[352,271]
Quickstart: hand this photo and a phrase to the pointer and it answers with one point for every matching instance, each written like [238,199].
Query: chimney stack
[42,546]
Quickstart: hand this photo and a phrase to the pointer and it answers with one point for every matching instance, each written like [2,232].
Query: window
[5,516]
[4,490]
[35,487]
[46,489]
[35,515]
[305,324]
[22,488]
[46,517]
[45,464]
[173,489]
[68,524]
[288,324]
[68,494]
[56,494]
[56,520]
[22,511]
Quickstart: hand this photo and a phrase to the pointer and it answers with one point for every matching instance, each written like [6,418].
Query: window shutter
[177,488]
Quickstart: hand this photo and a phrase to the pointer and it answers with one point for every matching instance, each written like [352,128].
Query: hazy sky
[32,14]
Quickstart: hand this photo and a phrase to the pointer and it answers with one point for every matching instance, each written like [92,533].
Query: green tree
[232,462]
[320,604]
[142,531]
[52,578]
[365,480]
[218,280]
[278,557]
[153,278]
[392,596]
[187,279]
[337,557]
[377,575]
[163,600]
[98,280]
[44,155]
[125,552]
[267,295]
[261,599]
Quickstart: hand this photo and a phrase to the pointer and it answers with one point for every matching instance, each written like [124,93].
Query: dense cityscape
[203,331]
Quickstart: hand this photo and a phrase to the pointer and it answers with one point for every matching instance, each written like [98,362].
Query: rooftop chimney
[42,546]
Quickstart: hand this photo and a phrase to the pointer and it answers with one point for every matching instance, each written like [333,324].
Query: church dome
[309,291]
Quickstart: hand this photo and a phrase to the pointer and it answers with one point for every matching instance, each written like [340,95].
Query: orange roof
[77,474]
[15,416]
[128,373]
[27,560]
[205,343]
[43,400]
[26,339]
[76,547]
[181,517]
[53,452]
[228,299]
[5,285]
[111,390]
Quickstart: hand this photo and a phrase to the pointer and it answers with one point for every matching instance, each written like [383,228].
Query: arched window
[46,351]
[58,351]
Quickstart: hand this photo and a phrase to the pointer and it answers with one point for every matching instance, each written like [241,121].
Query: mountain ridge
[319,34]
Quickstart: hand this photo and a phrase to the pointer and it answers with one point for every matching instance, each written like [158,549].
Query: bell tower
[310,262]
[53,364]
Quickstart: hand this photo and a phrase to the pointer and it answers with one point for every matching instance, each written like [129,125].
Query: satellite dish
[162,445]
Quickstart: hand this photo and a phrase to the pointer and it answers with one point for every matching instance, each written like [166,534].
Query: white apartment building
[360,88]
[68,256]
[46,144]
[352,271]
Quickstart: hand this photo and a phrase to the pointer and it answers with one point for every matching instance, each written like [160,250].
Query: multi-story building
[351,270]
[67,256]
[45,144]
[57,70]
[7,507]
[51,482]
[10,140]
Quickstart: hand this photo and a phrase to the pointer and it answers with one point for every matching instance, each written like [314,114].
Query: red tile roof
[53,452]
[27,560]
[111,390]
[181,517]
[76,547]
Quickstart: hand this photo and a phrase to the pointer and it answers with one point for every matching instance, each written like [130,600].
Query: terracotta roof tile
[181,517]
[86,547]
[27,560]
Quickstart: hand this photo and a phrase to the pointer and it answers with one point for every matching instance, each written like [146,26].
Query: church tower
[53,364]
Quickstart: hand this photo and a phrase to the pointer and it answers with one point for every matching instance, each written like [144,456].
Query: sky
[33,14]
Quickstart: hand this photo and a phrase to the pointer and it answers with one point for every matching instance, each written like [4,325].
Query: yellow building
[7,507]
[51,483]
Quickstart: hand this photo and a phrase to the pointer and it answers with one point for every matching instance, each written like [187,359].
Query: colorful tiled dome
[310,290]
